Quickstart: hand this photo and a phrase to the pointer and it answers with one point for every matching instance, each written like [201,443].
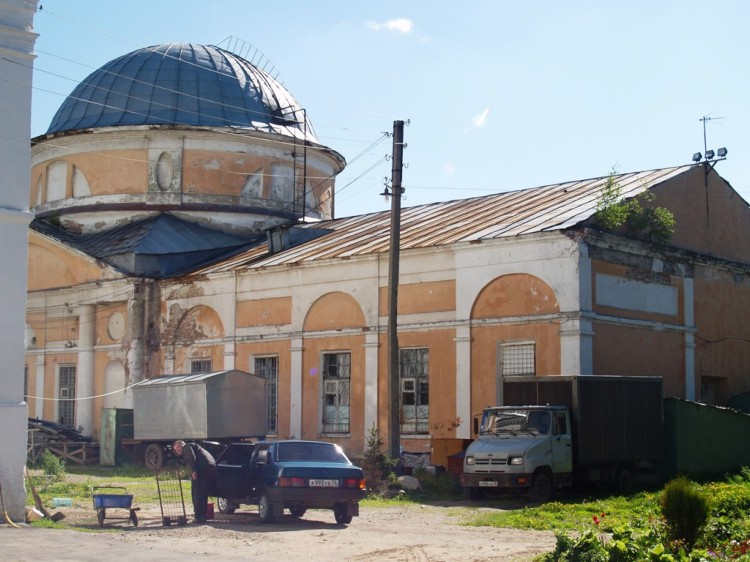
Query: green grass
[78,481]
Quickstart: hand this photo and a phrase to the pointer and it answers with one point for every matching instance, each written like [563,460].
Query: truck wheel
[153,458]
[624,480]
[226,506]
[541,488]
[265,508]
[341,514]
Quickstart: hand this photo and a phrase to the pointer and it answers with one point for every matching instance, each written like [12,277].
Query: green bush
[443,485]
[52,465]
[685,509]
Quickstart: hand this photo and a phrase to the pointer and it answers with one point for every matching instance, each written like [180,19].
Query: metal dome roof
[182,84]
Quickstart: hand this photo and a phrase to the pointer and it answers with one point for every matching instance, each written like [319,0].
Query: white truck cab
[526,448]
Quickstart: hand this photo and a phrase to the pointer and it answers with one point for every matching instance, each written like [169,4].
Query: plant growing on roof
[637,217]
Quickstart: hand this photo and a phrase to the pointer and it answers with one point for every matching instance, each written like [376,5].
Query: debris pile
[65,442]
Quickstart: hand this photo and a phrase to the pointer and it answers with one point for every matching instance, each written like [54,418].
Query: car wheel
[297,511]
[265,508]
[154,456]
[541,488]
[226,506]
[341,514]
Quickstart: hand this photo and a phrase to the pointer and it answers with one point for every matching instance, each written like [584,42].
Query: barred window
[414,371]
[198,366]
[268,368]
[517,359]
[66,408]
[336,378]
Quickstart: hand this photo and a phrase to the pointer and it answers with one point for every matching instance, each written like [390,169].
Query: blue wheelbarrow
[111,500]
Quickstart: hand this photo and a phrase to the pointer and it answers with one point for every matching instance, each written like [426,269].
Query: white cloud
[449,168]
[401,24]
[481,119]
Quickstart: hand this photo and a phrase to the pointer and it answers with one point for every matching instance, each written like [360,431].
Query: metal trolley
[105,501]
[171,498]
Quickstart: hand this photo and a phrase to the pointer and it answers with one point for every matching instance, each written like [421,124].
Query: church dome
[182,84]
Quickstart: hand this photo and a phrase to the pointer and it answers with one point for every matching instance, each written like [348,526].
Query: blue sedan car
[294,475]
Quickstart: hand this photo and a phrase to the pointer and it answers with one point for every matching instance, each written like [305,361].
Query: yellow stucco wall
[50,266]
[414,298]
[264,312]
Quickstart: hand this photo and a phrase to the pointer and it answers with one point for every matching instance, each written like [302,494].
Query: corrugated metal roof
[513,213]
[159,246]
[164,380]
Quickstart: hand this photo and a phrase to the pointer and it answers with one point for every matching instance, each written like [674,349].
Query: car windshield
[513,422]
[306,451]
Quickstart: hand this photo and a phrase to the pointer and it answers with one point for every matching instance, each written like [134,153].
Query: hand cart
[171,499]
[104,501]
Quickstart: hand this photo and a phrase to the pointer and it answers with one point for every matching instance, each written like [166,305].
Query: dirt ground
[409,532]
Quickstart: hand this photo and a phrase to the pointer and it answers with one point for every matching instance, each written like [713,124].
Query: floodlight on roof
[722,152]
[697,157]
[709,154]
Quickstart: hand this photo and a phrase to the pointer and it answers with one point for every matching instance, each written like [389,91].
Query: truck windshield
[514,422]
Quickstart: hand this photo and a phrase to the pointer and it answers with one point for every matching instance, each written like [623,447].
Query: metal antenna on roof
[711,156]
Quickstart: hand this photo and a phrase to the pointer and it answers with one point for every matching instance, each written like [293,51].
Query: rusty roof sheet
[513,213]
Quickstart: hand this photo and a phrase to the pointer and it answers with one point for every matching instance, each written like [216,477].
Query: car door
[258,462]
[233,471]
[562,450]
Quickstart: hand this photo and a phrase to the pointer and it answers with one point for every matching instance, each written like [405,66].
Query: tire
[134,518]
[153,458]
[624,481]
[341,514]
[541,488]
[265,508]
[226,506]
[100,515]
[297,511]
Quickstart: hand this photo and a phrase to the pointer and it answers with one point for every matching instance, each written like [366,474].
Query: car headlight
[469,460]
[515,460]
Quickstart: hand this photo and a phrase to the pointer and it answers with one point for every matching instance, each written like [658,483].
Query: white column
[85,370]
[463,381]
[371,381]
[689,340]
[295,383]
[16,64]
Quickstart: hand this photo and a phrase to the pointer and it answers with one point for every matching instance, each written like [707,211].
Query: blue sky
[499,95]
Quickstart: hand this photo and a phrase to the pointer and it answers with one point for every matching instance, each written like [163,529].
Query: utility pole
[394,425]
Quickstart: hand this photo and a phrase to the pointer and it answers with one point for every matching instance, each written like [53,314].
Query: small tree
[637,217]
[375,463]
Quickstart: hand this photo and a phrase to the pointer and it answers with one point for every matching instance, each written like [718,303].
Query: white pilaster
[371,381]
[295,407]
[85,370]
[463,381]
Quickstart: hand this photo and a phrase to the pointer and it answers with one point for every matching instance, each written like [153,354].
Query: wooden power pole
[394,425]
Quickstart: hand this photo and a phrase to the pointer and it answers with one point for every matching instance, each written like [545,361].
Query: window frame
[420,391]
[340,422]
[271,390]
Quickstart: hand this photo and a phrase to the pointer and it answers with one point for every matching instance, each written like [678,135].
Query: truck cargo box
[614,418]
[220,405]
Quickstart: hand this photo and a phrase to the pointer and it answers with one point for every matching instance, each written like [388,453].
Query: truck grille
[488,464]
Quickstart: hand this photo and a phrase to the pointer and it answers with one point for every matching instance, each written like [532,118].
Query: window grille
[198,366]
[268,368]
[518,359]
[336,387]
[67,392]
[414,370]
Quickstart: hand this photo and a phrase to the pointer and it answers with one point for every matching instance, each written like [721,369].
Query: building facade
[180,247]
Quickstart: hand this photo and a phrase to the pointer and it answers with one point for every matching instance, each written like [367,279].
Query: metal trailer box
[220,405]
[613,418]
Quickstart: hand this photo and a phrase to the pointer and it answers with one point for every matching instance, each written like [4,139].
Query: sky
[497,95]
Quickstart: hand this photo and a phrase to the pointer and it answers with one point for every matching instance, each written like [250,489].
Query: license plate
[318,483]
[487,484]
